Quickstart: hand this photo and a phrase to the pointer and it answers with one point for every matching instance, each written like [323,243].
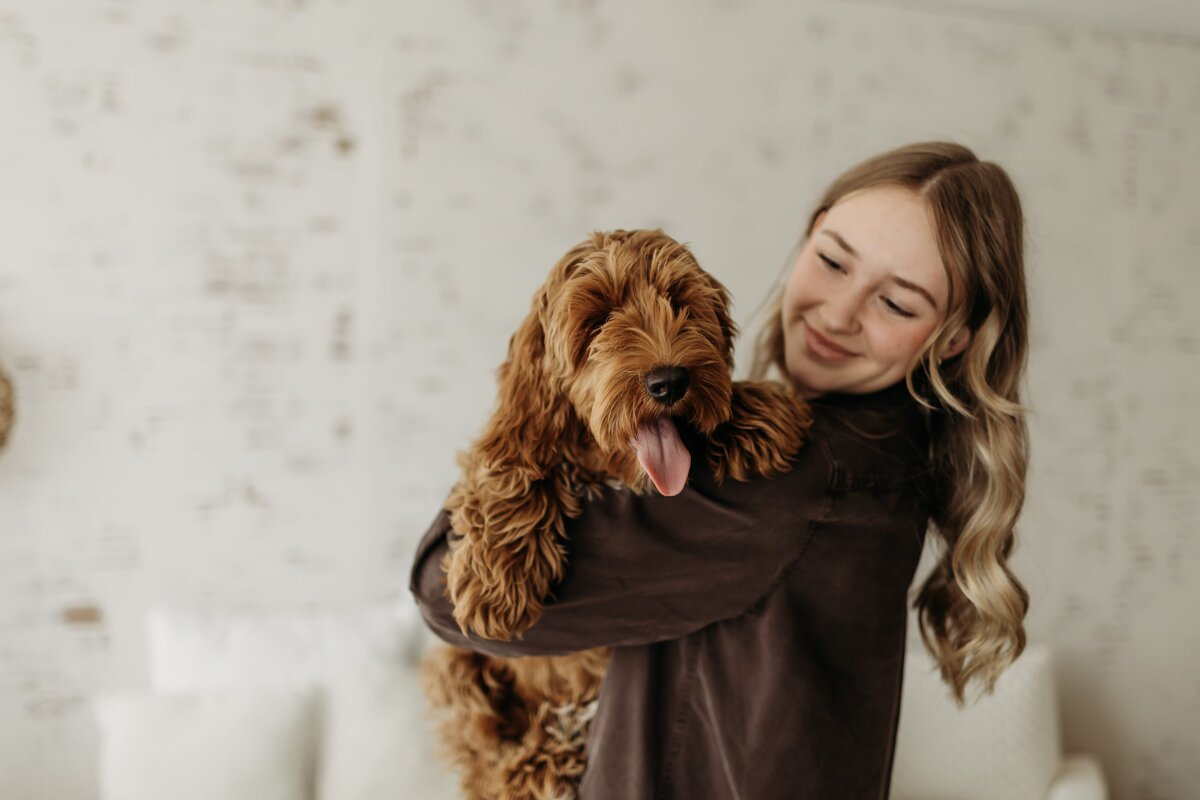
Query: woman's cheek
[906,342]
[899,343]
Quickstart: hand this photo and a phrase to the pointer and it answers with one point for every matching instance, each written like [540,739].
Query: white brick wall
[259,260]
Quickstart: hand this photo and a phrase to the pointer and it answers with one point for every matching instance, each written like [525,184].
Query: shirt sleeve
[647,568]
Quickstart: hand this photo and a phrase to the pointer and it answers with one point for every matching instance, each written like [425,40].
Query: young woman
[759,627]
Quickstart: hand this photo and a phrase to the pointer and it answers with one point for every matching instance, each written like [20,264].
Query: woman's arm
[646,568]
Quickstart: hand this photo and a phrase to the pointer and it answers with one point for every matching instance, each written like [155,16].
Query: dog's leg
[510,549]
[514,728]
[482,719]
[551,759]
[768,424]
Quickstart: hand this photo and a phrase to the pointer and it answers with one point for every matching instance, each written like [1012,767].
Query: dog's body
[627,339]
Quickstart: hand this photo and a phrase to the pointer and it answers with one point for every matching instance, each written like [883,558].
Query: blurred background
[259,261]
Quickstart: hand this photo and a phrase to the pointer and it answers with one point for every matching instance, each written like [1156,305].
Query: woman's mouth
[824,349]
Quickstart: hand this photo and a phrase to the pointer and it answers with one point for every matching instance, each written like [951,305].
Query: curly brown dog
[627,340]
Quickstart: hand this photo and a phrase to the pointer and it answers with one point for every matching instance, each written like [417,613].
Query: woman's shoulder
[877,440]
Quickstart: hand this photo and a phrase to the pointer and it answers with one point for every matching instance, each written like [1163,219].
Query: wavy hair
[971,608]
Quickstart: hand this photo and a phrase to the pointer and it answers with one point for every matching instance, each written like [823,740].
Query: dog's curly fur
[573,394]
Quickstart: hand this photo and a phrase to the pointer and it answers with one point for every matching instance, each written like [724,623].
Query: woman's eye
[832,264]
[898,309]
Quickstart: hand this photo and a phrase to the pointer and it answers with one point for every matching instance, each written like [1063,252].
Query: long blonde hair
[971,608]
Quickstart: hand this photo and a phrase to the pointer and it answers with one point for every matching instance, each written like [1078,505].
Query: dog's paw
[499,591]
[769,423]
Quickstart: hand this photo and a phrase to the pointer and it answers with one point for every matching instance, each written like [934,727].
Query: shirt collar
[894,396]
[885,411]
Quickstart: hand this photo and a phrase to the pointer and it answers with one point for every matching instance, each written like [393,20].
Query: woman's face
[865,293]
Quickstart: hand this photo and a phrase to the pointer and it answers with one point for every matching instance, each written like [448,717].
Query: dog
[627,340]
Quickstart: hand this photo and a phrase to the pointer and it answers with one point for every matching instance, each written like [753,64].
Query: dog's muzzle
[666,384]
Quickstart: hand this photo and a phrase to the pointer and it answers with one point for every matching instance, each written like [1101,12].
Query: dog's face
[639,339]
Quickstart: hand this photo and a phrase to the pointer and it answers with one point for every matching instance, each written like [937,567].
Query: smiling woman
[912,271]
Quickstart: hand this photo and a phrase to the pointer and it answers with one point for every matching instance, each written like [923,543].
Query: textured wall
[258,261]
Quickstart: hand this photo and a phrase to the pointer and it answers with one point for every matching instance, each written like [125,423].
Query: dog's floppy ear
[570,317]
[531,416]
[724,318]
[528,420]
[705,291]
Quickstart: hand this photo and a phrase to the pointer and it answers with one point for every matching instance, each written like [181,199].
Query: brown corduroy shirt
[758,628]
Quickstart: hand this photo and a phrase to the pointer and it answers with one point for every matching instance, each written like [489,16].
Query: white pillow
[1005,746]
[192,650]
[375,738]
[378,744]
[229,745]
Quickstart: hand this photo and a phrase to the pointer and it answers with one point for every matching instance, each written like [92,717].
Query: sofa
[326,705]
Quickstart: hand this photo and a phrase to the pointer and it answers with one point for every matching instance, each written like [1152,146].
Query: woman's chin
[811,380]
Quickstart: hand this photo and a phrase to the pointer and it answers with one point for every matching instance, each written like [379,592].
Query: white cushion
[192,650]
[376,741]
[229,745]
[378,744]
[1005,746]
[1079,778]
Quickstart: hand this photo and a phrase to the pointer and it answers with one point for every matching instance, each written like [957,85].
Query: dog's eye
[676,306]
[598,322]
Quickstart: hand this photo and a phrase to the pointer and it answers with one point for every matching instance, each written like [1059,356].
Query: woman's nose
[841,313]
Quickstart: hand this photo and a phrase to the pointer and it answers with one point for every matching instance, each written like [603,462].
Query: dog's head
[630,337]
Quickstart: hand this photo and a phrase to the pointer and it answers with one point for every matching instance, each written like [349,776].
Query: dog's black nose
[666,384]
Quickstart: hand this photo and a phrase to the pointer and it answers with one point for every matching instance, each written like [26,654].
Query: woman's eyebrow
[916,288]
[896,278]
[838,238]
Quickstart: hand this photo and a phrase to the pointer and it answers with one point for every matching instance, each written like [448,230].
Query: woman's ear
[958,343]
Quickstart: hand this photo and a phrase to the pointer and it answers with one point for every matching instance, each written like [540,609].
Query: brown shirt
[758,627]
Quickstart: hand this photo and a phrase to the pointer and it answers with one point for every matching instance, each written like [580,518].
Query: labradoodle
[627,339]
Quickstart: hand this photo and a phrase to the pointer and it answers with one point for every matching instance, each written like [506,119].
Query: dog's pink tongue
[663,455]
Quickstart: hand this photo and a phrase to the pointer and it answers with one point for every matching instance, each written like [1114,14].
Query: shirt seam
[664,784]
